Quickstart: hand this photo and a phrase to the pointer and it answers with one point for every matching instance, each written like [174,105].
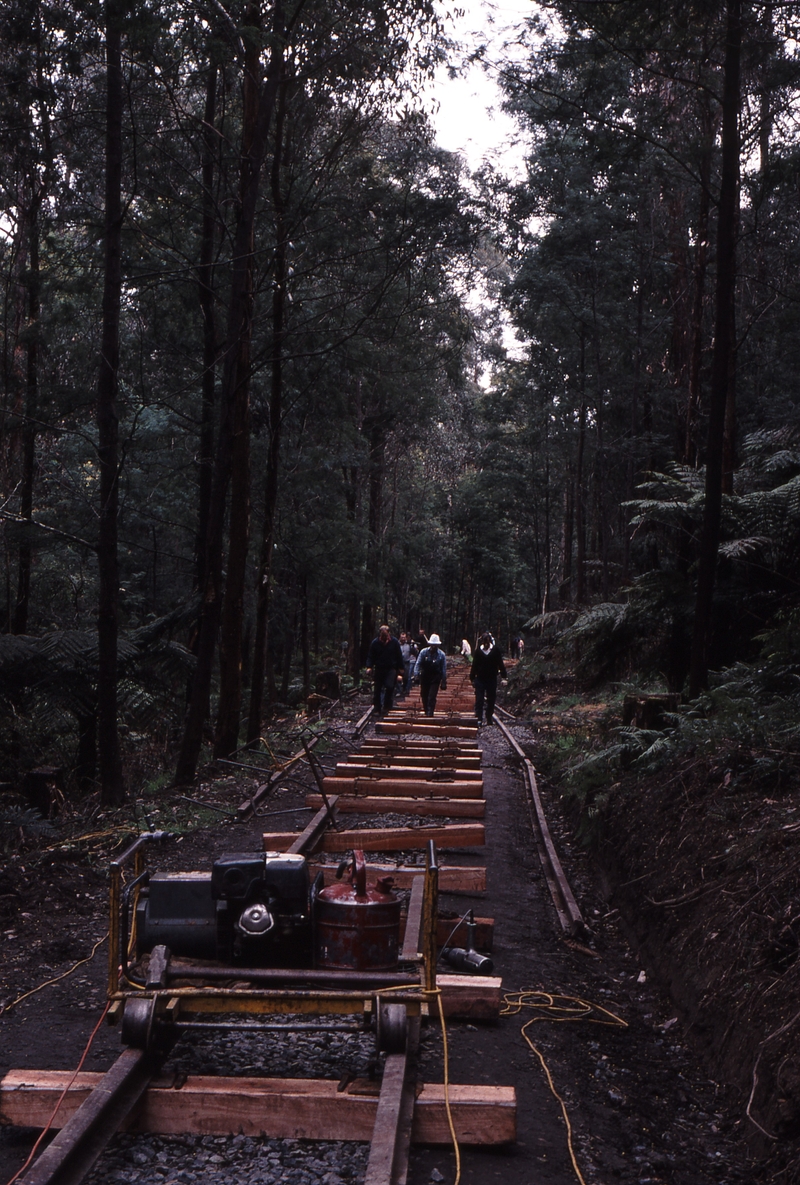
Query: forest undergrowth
[693,825]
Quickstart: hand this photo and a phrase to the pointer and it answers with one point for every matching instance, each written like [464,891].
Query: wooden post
[430,914]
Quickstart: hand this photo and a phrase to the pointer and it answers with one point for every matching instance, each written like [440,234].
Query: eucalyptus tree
[371,334]
[630,210]
[326,41]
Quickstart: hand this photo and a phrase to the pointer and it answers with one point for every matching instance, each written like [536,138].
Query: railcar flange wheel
[138,1022]
[391,1027]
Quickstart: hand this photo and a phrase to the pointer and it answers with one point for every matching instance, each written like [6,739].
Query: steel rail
[74,1151]
[567,909]
[362,723]
[246,809]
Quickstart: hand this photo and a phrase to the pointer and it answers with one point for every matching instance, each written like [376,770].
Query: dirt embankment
[702,860]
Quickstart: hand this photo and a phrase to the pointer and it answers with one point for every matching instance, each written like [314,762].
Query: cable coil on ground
[562,1009]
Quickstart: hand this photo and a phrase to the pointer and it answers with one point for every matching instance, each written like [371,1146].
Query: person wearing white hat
[431,671]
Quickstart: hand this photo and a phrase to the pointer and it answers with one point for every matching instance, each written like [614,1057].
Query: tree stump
[327,684]
[44,789]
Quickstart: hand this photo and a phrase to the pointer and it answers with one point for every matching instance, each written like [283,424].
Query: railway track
[415,767]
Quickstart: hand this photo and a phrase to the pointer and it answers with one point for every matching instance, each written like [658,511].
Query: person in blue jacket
[431,672]
[385,665]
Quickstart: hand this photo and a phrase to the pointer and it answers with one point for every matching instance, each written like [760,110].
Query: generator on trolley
[254,935]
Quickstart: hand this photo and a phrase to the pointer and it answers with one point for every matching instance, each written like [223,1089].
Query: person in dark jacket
[385,665]
[431,671]
[487,664]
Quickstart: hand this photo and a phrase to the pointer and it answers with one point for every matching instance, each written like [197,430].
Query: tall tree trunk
[12,419]
[352,484]
[632,467]
[600,460]
[236,351]
[275,419]
[699,287]
[205,284]
[112,787]
[22,606]
[724,348]
[353,651]
[547,576]
[377,462]
[229,709]
[580,528]
[730,432]
[226,738]
[304,637]
[567,535]
[288,653]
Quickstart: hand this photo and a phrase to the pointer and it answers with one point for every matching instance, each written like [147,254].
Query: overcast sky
[469,119]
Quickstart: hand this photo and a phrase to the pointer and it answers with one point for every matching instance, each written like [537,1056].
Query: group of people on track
[393,660]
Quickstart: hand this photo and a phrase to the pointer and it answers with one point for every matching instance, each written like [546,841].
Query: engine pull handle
[360,872]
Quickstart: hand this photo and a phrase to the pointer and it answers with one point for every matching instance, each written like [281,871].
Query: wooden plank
[470,997]
[435,748]
[411,936]
[461,746]
[453,878]
[452,808]
[412,787]
[280,1108]
[386,839]
[430,728]
[422,771]
[420,754]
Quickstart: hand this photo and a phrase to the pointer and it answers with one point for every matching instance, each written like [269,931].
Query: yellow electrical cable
[561,1009]
[48,982]
[457,1151]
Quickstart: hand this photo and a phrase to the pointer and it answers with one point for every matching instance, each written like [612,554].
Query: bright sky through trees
[469,118]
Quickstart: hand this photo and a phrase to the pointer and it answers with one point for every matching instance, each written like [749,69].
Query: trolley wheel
[391,1028]
[138,1022]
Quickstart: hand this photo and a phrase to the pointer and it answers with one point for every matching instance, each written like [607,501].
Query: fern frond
[742,549]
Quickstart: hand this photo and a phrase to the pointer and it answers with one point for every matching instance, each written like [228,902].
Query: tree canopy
[284,419]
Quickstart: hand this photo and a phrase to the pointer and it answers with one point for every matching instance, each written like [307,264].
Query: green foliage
[49,689]
[18,824]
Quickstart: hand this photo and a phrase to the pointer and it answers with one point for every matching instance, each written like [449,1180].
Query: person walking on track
[431,671]
[385,665]
[487,664]
[409,652]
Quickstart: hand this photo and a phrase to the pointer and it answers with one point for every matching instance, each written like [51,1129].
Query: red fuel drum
[356,928]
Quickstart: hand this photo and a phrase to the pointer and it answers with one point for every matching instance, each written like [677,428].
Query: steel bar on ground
[245,809]
[362,723]
[569,913]
[307,840]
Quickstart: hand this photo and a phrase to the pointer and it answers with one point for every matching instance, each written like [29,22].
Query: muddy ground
[643,1104]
